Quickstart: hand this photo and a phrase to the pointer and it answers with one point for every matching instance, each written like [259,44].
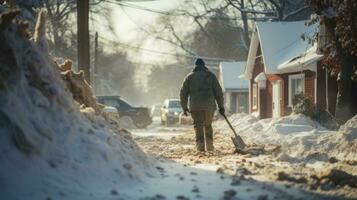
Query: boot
[200,146]
[209,145]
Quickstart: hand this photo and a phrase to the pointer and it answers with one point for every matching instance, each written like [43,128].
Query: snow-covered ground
[197,181]
[184,182]
[265,169]
[155,129]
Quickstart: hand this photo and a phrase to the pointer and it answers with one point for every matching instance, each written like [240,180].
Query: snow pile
[342,143]
[48,148]
[349,129]
[300,136]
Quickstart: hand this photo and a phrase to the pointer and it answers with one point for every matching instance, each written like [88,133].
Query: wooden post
[83,37]
[12,4]
[95,70]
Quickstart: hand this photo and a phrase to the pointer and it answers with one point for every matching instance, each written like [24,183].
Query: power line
[140,49]
[141,8]
[164,53]
[133,21]
[167,53]
[169,13]
[178,55]
[138,26]
[160,12]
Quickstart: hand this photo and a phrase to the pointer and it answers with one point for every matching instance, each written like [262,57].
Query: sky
[127,22]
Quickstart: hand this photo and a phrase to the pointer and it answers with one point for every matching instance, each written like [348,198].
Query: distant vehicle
[139,115]
[170,111]
[111,111]
[155,110]
[185,120]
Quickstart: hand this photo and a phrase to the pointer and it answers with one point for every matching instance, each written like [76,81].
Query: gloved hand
[185,112]
[222,111]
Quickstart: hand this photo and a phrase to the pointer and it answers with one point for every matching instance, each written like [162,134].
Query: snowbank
[299,136]
[48,148]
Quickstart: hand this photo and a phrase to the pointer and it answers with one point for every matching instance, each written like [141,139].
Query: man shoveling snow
[204,90]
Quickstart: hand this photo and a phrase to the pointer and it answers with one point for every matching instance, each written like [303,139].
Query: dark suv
[139,115]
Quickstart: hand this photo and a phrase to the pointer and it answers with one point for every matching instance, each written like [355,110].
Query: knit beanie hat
[199,62]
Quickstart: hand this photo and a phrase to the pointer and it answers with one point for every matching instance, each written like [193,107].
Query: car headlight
[176,113]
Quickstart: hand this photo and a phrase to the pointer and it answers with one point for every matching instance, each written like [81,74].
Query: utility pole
[95,61]
[83,37]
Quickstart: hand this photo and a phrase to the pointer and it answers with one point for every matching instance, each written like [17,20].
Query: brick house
[280,65]
[236,90]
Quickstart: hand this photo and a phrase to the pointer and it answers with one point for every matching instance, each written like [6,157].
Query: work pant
[202,123]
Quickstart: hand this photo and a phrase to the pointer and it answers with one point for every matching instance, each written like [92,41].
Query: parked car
[170,111]
[155,110]
[139,115]
[111,112]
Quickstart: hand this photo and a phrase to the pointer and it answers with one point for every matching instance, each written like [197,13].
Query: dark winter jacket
[203,90]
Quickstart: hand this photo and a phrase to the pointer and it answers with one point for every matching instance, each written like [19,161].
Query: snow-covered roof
[302,61]
[260,77]
[279,42]
[229,75]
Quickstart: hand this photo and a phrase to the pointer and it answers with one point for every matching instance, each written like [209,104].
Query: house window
[296,86]
[255,96]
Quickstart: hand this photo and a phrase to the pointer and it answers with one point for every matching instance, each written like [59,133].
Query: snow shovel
[237,140]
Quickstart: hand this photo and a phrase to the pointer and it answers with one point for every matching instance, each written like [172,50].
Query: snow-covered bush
[303,105]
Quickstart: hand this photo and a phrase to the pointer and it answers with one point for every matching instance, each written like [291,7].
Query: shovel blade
[238,142]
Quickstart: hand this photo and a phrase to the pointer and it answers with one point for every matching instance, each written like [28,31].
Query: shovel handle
[230,125]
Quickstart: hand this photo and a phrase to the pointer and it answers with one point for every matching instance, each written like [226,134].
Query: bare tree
[276,10]
[194,29]
[234,14]
[59,13]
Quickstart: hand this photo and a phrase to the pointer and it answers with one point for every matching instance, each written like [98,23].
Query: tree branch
[291,14]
